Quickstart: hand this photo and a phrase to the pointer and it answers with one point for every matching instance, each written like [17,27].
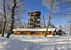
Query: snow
[23,42]
[34,29]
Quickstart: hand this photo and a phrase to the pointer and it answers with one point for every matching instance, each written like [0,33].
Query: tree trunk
[13,19]
[49,18]
[3,30]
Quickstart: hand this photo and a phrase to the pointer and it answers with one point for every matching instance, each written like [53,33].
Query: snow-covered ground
[17,42]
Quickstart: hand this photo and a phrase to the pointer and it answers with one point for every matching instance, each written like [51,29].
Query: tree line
[10,11]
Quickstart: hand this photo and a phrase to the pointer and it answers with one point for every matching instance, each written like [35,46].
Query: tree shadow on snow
[14,44]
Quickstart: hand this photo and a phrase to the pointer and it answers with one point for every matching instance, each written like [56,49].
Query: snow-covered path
[51,43]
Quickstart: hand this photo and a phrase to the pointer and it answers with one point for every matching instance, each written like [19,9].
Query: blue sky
[60,12]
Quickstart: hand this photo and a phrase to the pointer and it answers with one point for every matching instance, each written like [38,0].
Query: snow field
[22,42]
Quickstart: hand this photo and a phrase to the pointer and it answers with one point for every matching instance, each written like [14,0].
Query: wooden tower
[34,19]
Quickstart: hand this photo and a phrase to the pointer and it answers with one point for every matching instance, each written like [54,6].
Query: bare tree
[4,18]
[15,10]
[12,19]
[49,4]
